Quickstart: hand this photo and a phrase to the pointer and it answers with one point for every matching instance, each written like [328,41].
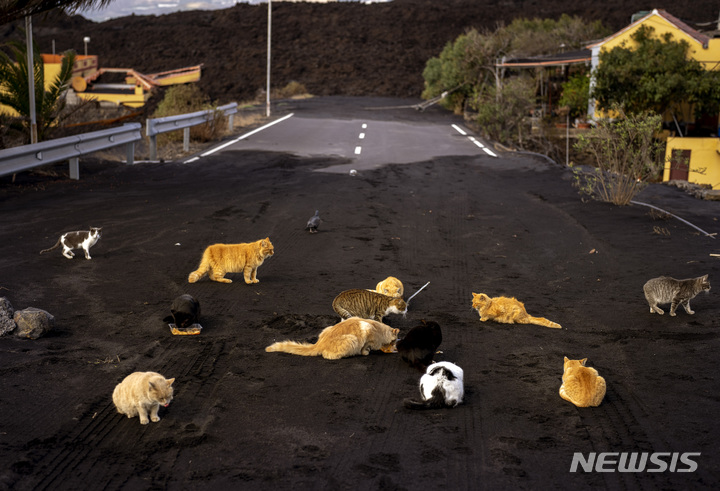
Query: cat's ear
[705,277]
[396,331]
[582,362]
[170,381]
[566,359]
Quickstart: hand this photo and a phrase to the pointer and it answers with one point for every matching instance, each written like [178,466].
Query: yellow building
[693,159]
[134,92]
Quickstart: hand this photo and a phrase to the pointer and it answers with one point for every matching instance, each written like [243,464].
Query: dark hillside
[333,49]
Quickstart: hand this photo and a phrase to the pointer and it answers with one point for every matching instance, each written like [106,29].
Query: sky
[122,8]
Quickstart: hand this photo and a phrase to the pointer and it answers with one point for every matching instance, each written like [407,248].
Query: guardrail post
[74,168]
[150,129]
[130,153]
[153,148]
[230,123]
[186,139]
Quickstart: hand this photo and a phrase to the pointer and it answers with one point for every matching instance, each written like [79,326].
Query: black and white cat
[84,239]
[441,386]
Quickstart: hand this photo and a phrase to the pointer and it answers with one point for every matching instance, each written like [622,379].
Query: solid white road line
[242,137]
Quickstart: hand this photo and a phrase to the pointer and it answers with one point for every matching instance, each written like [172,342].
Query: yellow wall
[138,99]
[709,57]
[704,166]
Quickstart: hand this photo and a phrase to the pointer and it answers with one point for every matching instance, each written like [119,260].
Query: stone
[7,324]
[712,195]
[33,323]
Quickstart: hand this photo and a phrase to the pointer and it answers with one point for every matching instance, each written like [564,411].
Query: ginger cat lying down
[581,385]
[390,286]
[507,310]
[353,336]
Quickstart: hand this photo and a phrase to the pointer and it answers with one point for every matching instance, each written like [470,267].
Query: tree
[11,10]
[576,94]
[14,89]
[656,74]
[468,68]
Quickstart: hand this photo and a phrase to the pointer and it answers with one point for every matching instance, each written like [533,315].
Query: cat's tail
[57,244]
[542,321]
[202,269]
[295,348]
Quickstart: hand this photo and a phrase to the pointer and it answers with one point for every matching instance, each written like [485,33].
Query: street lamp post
[269,36]
[31,79]
[86,40]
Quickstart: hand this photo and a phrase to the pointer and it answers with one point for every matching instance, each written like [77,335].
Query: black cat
[420,344]
[185,311]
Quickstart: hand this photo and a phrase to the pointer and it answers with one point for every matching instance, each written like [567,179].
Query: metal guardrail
[183,122]
[70,148]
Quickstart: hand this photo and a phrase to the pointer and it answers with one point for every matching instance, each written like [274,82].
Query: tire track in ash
[102,429]
[437,218]
[622,424]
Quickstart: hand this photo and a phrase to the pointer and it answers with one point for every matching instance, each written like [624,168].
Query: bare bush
[627,156]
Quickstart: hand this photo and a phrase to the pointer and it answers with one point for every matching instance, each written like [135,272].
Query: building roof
[692,33]
[559,59]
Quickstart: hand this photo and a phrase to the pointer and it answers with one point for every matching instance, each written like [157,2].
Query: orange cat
[141,393]
[219,259]
[353,336]
[390,286]
[506,310]
[581,385]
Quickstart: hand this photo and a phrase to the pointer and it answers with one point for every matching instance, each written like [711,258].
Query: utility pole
[31,78]
[269,44]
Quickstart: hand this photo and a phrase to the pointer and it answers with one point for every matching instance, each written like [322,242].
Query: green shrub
[188,98]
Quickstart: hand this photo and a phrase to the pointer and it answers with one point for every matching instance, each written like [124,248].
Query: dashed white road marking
[474,140]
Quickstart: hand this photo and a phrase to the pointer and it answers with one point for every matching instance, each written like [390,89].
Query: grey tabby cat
[84,239]
[367,305]
[675,292]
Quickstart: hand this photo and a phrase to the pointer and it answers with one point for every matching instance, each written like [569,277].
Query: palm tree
[11,10]
[14,86]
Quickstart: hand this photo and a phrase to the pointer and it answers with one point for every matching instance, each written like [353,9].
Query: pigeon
[312,224]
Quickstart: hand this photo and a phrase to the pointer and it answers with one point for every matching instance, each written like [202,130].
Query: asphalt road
[363,138]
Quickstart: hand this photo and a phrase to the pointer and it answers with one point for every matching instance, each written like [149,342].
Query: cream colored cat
[391,287]
[220,259]
[507,310]
[581,385]
[353,336]
[142,393]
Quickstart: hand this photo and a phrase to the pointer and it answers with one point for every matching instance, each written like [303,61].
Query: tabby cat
[581,385]
[675,292]
[84,239]
[246,258]
[507,310]
[390,286]
[420,344]
[353,336]
[441,386]
[142,393]
[367,304]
